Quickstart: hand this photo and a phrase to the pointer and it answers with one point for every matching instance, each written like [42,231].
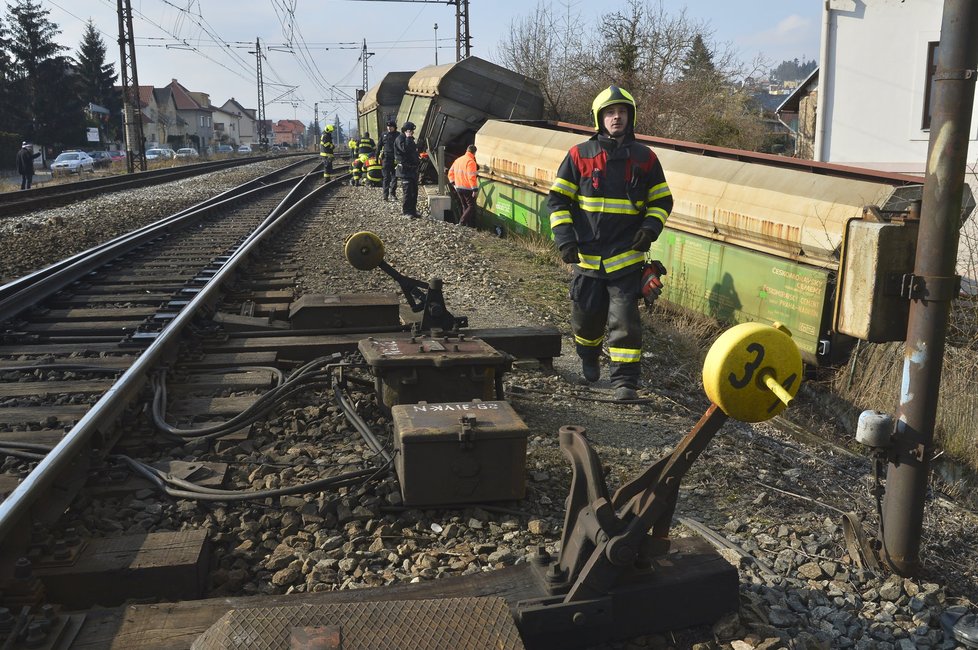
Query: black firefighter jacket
[603,193]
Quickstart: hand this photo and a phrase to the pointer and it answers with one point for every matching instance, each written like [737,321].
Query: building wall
[805,136]
[875,78]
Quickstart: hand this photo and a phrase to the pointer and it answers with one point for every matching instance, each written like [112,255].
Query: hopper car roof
[789,208]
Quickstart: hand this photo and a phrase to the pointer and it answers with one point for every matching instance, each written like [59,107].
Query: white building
[875,71]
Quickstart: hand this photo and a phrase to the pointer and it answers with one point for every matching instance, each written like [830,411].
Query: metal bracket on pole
[957,75]
[933,288]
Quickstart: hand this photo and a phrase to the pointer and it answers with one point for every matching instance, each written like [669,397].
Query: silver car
[72,162]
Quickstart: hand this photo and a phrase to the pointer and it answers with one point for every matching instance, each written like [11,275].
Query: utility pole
[262,134]
[315,117]
[363,57]
[131,109]
[933,286]
[463,39]
[436,43]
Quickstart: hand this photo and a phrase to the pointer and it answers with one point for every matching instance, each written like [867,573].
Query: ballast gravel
[772,503]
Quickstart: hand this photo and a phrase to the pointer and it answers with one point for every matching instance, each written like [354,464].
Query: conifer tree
[6,123]
[31,43]
[96,78]
[698,63]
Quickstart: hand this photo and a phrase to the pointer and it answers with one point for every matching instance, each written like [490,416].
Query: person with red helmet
[608,203]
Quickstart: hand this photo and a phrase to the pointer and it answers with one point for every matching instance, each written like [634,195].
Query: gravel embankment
[776,501]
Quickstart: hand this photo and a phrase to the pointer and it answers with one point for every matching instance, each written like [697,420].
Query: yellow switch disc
[753,371]
[364,250]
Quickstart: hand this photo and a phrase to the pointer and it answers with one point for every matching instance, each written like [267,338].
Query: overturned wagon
[381,103]
[450,102]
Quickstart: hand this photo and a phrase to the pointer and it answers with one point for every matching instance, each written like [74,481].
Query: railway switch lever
[618,573]
[365,251]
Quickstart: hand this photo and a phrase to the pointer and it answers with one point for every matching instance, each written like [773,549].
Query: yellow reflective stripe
[625,355]
[588,343]
[624,259]
[610,206]
[564,187]
[560,217]
[592,262]
[658,213]
[659,191]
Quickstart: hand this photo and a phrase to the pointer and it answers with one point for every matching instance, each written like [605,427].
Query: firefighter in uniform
[385,151]
[374,172]
[357,167]
[352,144]
[608,203]
[366,145]
[326,152]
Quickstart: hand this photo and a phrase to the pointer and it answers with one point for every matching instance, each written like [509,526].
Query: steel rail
[19,284]
[19,202]
[19,503]
[20,294]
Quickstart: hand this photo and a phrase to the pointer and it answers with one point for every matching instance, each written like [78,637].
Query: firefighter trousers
[598,303]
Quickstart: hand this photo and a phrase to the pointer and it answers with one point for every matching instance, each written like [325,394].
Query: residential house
[798,113]
[195,115]
[238,123]
[172,130]
[290,132]
[874,83]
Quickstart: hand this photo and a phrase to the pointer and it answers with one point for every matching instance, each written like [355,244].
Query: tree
[546,46]
[31,45]
[698,63]
[96,78]
[5,81]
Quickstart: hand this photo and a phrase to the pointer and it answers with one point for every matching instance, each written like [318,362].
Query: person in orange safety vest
[464,176]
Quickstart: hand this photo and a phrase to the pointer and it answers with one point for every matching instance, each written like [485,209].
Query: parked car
[160,154]
[224,149]
[101,158]
[116,156]
[187,152]
[244,149]
[72,162]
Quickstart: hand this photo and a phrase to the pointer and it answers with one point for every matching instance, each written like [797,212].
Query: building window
[932,49]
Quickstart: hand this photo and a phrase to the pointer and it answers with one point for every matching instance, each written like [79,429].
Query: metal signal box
[459,452]
[442,369]
[878,258]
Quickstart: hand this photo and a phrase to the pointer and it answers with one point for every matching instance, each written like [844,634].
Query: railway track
[39,198]
[258,551]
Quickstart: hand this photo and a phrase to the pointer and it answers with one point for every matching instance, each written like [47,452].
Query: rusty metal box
[459,452]
[877,255]
[425,369]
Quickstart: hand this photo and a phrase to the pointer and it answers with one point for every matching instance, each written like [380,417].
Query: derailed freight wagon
[752,237]
[381,103]
[449,103]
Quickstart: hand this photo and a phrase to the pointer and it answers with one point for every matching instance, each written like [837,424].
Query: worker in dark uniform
[408,160]
[373,173]
[326,152]
[366,145]
[385,150]
[608,203]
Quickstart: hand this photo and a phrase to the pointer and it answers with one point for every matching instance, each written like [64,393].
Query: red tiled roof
[182,98]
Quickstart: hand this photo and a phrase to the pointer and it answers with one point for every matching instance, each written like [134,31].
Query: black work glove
[568,253]
[643,240]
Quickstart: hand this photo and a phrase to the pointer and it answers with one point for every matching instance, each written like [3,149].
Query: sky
[208,45]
